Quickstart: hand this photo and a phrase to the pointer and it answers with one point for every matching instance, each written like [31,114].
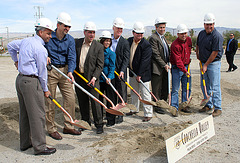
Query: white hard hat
[90,26]
[138,27]
[64,18]
[160,20]
[105,34]
[44,22]
[182,28]
[118,22]
[209,18]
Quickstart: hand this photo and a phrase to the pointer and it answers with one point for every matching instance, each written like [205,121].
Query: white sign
[190,138]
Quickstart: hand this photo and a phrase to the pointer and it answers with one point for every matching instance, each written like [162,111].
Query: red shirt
[180,53]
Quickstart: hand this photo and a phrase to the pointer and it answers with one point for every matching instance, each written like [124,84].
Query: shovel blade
[114,112]
[204,101]
[132,107]
[148,102]
[81,124]
[162,104]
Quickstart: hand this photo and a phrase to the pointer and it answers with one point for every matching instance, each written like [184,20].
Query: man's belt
[59,66]
[31,76]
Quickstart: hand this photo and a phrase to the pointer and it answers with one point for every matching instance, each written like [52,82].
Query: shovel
[125,107]
[78,123]
[188,82]
[139,97]
[158,103]
[204,101]
[186,103]
[112,111]
[103,95]
[169,89]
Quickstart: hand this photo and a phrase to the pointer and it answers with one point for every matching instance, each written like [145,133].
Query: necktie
[165,48]
[228,44]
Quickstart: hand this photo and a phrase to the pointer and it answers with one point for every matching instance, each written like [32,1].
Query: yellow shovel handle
[87,82]
[124,80]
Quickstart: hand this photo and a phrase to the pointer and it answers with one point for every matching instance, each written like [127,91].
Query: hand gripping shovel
[139,97]
[98,91]
[78,123]
[125,107]
[112,111]
[204,101]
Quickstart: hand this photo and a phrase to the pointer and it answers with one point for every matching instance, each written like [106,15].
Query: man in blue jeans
[180,59]
[209,51]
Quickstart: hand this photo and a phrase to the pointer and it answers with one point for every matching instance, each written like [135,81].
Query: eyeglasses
[231,35]
[67,26]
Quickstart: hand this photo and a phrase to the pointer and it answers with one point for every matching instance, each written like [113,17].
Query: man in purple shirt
[32,73]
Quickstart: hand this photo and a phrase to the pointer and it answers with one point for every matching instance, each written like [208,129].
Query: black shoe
[159,110]
[119,119]
[99,130]
[24,149]
[47,151]
[228,70]
[234,68]
[110,123]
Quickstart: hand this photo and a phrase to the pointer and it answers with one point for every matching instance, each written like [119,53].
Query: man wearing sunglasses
[61,54]
[231,48]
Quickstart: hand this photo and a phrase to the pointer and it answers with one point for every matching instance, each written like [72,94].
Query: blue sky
[18,15]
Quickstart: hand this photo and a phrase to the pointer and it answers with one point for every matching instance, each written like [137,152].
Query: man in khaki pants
[62,55]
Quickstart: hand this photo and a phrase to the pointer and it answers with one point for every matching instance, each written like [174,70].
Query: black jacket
[122,55]
[141,63]
[232,47]
[94,62]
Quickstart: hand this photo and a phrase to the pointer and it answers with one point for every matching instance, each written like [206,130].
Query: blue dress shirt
[62,52]
[32,58]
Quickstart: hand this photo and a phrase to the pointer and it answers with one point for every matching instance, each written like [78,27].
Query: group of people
[149,62]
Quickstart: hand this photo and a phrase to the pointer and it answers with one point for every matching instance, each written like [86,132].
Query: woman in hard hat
[108,70]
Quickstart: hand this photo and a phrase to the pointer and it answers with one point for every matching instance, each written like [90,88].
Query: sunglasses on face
[67,26]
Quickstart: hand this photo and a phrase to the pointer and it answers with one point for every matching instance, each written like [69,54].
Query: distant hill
[148,31]
[126,33]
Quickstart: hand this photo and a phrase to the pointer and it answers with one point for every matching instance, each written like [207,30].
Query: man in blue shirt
[32,73]
[209,51]
[62,55]
[231,48]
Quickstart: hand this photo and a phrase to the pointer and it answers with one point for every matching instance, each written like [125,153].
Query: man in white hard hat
[209,51]
[31,85]
[121,47]
[180,60]
[230,51]
[160,59]
[140,64]
[90,61]
[62,55]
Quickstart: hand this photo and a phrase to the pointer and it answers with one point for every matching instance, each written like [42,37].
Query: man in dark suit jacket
[140,64]
[160,58]
[90,61]
[231,48]
[121,47]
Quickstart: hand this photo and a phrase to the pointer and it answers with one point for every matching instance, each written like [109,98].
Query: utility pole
[38,14]
[173,31]
[7,35]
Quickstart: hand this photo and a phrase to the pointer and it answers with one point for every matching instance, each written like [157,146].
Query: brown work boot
[205,109]
[216,112]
